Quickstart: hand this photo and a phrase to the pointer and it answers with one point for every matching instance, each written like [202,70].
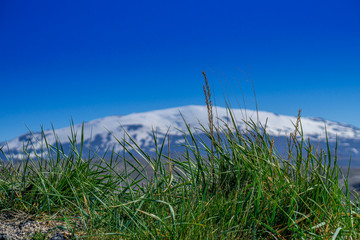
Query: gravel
[19,225]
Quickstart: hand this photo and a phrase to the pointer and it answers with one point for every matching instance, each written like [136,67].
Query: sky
[81,60]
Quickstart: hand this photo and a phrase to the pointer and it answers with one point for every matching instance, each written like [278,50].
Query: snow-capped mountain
[100,133]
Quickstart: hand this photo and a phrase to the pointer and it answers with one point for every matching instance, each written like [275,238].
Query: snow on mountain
[100,132]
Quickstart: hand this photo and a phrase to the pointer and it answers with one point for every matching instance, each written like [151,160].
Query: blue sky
[89,59]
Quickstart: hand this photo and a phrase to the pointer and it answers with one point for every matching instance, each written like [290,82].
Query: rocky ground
[19,225]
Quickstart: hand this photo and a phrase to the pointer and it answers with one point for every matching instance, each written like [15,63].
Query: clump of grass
[242,188]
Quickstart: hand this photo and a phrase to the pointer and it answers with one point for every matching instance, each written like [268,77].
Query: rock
[59,236]
[4,236]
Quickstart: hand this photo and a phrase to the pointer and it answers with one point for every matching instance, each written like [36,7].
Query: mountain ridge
[99,133]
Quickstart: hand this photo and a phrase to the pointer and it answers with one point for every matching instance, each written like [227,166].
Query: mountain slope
[100,133]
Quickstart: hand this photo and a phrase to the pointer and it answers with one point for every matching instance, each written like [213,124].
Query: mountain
[99,134]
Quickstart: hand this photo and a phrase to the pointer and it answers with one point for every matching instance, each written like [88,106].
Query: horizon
[86,60]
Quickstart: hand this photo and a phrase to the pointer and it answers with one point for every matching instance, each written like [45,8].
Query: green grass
[240,189]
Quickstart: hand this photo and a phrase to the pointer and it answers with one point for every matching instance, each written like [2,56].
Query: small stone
[4,236]
[59,236]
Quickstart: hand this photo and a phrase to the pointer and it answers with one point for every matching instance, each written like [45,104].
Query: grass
[241,188]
